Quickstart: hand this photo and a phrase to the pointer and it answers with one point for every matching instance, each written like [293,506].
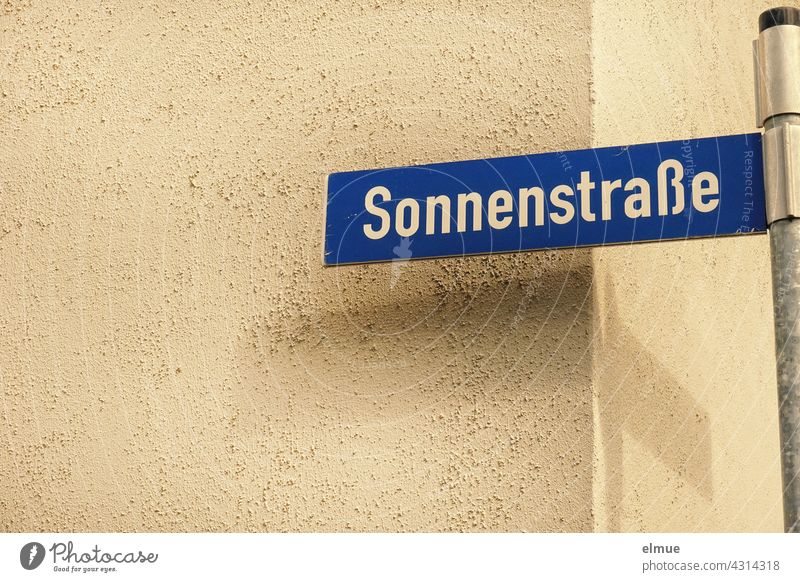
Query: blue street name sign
[649,192]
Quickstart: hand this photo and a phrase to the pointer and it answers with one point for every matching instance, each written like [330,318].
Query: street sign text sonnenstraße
[615,195]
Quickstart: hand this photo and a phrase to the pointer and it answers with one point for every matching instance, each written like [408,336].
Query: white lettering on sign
[467,209]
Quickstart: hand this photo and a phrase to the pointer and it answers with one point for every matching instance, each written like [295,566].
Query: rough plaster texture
[172,354]
[685,398]
[174,357]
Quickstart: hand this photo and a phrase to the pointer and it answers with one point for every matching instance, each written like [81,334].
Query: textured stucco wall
[172,354]
[685,398]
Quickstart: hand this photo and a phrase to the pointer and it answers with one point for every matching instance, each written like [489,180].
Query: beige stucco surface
[685,398]
[174,357]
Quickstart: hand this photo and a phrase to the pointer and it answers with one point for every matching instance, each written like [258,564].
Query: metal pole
[777,68]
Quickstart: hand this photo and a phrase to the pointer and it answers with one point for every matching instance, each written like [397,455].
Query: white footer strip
[378,557]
